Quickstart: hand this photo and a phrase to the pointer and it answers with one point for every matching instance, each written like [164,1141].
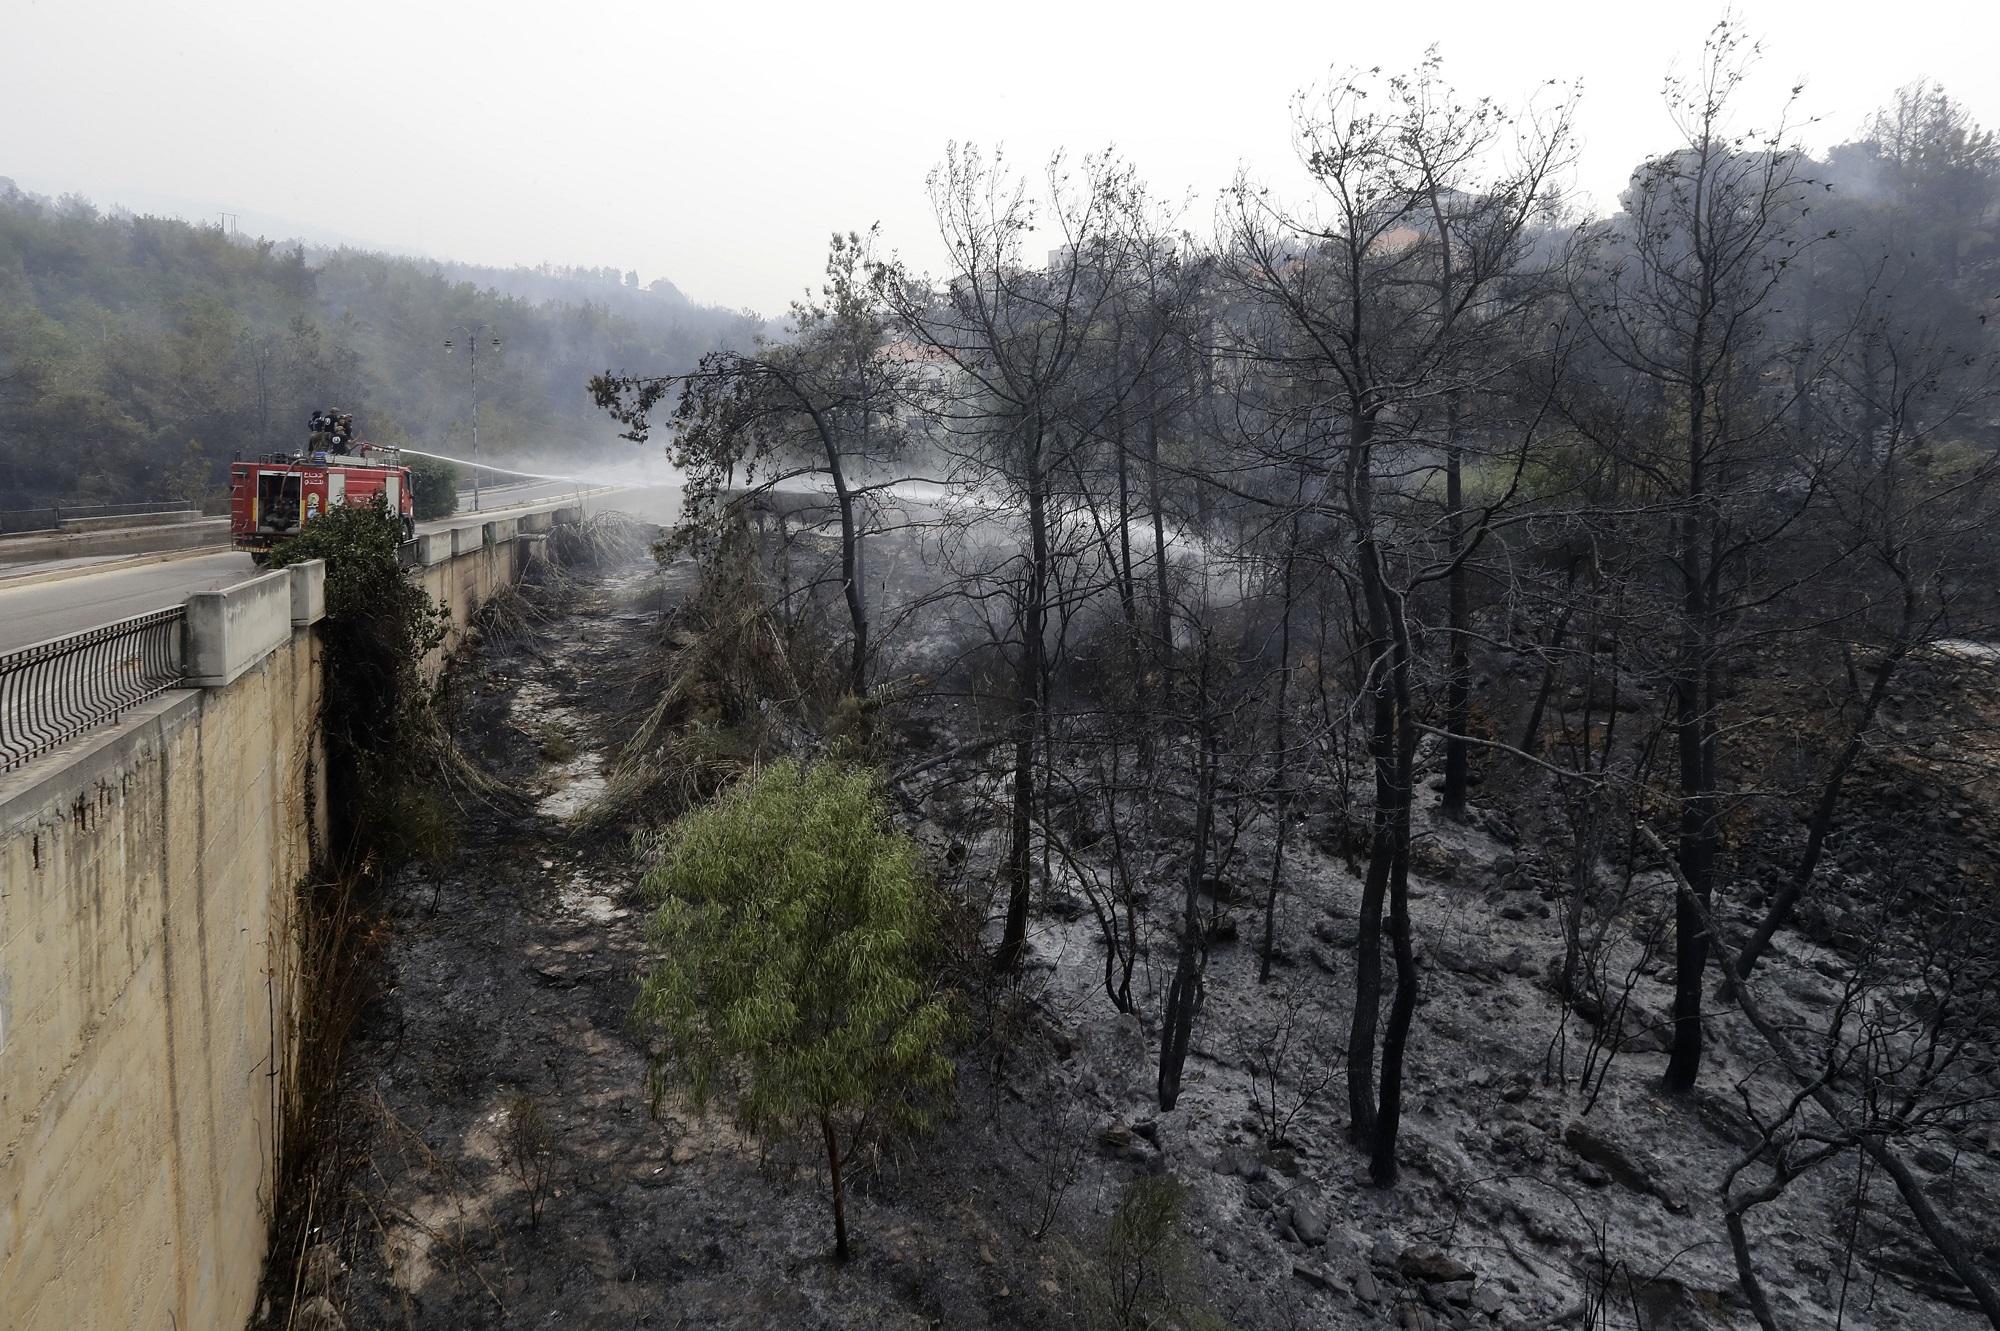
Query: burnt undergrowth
[398,791]
[503,1164]
[733,680]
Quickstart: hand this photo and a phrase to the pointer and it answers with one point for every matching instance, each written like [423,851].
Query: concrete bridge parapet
[231,630]
[308,592]
[434,547]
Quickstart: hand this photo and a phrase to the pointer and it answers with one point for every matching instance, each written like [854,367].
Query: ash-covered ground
[512,1171]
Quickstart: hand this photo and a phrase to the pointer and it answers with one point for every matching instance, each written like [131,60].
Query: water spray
[578,481]
[508,471]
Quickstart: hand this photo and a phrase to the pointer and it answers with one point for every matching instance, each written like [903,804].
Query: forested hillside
[138,354]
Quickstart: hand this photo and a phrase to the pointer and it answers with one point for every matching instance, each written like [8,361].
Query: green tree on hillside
[792,936]
[123,337]
[433,488]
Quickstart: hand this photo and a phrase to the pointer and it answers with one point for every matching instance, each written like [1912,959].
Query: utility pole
[472,333]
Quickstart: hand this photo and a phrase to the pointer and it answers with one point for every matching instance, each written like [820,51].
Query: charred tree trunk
[1027,709]
[1458,687]
[1956,1252]
[1389,1116]
[1119,920]
[850,581]
[1128,594]
[839,1188]
[1163,623]
[1693,730]
[1389,823]
[1281,739]
[1184,993]
[850,532]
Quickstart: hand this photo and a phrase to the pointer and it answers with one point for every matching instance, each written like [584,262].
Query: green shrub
[793,937]
[1142,1276]
[379,627]
[433,488]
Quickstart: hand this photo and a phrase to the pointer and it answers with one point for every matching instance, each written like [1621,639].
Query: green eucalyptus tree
[793,934]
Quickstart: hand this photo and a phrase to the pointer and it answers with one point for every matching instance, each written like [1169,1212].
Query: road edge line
[108,566]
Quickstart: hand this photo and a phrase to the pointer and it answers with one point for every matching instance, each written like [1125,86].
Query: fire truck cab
[275,497]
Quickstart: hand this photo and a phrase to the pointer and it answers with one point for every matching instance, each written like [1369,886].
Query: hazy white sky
[717,144]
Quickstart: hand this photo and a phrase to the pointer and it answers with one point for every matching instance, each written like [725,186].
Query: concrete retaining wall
[146,979]
[466,566]
[31,548]
[465,575]
[148,965]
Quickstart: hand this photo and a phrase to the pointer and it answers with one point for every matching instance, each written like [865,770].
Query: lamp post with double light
[472,334]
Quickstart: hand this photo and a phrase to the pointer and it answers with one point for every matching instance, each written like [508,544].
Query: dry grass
[731,684]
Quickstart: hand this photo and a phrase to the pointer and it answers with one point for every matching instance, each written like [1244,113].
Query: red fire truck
[275,497]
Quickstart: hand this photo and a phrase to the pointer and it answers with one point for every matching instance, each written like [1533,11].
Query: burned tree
[1014,334]
[1679,291]
[820,405]
[1380,300]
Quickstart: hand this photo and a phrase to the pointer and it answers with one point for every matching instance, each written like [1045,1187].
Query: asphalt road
[51,609]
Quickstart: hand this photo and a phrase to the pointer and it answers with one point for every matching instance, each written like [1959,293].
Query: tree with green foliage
[378,629]
[433,488]
[794,931]
[124,337]
[821,404]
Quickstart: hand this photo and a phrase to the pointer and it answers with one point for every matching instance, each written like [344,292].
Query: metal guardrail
[29,519]
[51,518]
[53,691]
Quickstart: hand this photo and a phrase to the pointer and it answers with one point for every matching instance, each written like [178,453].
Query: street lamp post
[472,334]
